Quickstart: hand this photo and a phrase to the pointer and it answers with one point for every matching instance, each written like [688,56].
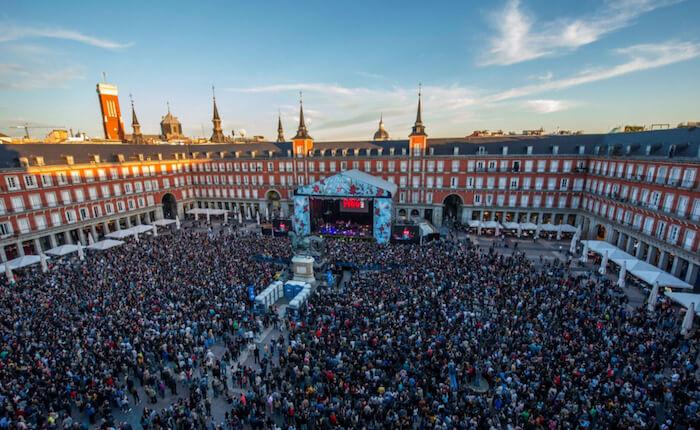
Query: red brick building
[637,190]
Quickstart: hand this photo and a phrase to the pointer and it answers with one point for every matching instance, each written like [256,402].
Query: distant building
[170,127]
[57,136]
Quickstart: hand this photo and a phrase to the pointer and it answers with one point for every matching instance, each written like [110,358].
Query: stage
[351,204]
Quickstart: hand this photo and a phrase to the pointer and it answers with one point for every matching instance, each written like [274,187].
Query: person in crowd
[437,336]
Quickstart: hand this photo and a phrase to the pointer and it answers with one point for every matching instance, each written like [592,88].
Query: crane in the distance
[27,127]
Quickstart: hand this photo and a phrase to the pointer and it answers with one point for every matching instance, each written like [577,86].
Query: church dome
[381,133]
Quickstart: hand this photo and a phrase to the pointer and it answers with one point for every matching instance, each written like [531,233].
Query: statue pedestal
[303,269]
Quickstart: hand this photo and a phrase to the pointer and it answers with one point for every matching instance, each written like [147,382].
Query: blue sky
[504,64]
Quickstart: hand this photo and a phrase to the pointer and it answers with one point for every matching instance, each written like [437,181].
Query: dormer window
[504,151]
[140,157]
[481,151]
[555,149]
[69,160]
[455,151]
[159,156]
[95,158]
[39,161]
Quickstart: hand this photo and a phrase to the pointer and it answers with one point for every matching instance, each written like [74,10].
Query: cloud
[639,58]
[13,32]
[345,109]
[547,106]
[19,77]
[521,38]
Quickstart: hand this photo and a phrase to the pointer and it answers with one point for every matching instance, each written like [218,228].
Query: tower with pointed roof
[302,142]
[418,139]
[136,135]
[381,133]
[217,135]
[280,130]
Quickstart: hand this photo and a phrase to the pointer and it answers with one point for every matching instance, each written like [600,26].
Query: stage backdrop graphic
[382,220]
[302,217]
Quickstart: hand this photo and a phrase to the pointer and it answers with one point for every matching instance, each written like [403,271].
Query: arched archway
[600,232]
[453,207]
[414,212]
[169,206]
[402,213]
[272,200]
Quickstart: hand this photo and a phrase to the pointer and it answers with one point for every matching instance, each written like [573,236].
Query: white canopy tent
[119,234]
[511,225]
[163,222]
[528,226]
[205,211]
[685,299]
[24,261]
[62,250]
[635,267]
[141,228]
[491,224]
[105,244]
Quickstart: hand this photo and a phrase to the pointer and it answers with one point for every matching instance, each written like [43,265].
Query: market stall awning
[62,250]
[635,267]
[685,299]
[205,211]
[120,234]
[105,244]
[19,262]
[163,222]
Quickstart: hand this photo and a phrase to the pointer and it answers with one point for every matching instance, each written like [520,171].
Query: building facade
[639,191]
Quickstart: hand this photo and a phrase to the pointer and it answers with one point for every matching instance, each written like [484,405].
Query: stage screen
[354,205]
[281,226]
[405,233]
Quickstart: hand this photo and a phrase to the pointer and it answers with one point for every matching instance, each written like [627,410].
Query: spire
[217,136]
[280,130]
[216,111]
[418,127]
[302,132]
[136,136]
[381,133]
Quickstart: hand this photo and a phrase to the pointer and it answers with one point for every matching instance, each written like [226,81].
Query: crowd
[446,336]
[78,340]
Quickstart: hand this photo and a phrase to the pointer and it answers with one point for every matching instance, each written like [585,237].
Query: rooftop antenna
[104,77]
[168,103]
[213,93]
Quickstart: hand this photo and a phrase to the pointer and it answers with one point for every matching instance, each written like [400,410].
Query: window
[23,224]
[689,240]
[17,203]
[440,166]
[5,229]
[35,201]
[455,165]
[75,176]
[30,181]
[70,216]
[454,182]
[79,195]
[12,183]
[46,180]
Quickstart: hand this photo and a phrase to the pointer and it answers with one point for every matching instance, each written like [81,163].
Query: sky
[505,64]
